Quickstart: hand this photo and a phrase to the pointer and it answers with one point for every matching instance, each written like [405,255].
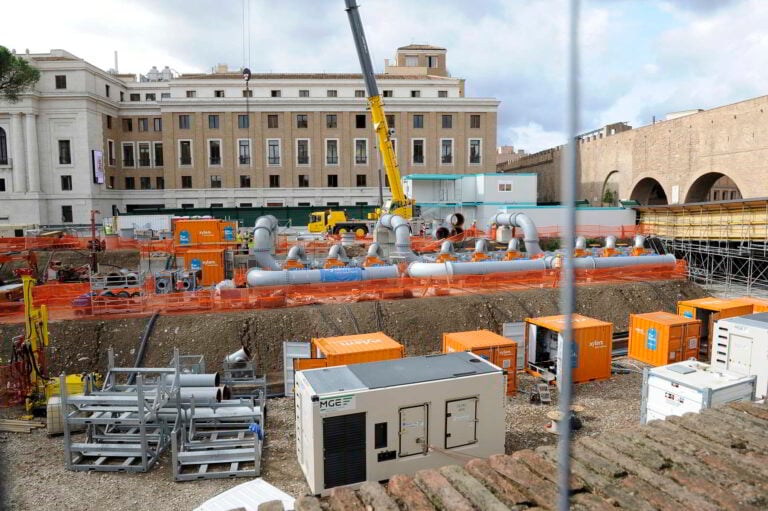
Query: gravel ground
[36,478]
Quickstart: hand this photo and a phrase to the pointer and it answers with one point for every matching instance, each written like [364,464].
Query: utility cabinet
[741,347]
[690,386]
[368,422]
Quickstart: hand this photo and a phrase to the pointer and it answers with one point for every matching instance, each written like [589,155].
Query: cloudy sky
[640,58]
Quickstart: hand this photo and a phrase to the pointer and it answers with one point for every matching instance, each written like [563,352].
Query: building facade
[86,139]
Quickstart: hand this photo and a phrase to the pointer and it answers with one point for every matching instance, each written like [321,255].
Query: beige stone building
[691,156]
[209,140]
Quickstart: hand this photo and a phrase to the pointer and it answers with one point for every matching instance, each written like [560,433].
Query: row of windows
[273,122]
[150,154]
[145,183]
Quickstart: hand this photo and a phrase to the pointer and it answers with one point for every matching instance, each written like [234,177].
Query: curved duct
[531,235]
[263,236]
[337,252]
[446,247]
[296,253]
[259,278]
[448,268]
[374,250]
[455,220]
[639,241]
[402,230]
[581,243]
[610,242]
[514,245]
[481,246]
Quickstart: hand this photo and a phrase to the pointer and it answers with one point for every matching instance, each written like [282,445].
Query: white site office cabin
[368,422]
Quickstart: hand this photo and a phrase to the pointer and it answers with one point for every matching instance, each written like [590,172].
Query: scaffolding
[725,244]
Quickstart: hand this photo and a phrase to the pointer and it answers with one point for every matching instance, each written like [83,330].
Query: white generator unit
[368,422]
[740,345]
[690,386]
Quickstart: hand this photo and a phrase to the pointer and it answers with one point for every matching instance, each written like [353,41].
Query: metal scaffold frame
[725,244]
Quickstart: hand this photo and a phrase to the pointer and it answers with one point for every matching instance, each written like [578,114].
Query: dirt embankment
[417,323]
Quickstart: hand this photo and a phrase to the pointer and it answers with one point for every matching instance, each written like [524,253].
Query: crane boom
[400,204]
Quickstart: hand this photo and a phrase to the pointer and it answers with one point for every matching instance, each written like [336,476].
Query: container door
[344,450]
[691,341]
[516,332]
[506,358]
[675,343]
[292,350]
[740,354]
[413,430]
[460,422]
[531,340]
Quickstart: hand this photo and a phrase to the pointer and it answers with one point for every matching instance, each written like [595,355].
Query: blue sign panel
[651,339]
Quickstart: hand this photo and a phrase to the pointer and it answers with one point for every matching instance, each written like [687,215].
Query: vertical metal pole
[567,289]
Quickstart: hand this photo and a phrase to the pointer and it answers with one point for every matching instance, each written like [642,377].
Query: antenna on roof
[116,68]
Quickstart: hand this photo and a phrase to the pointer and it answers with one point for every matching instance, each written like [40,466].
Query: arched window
[3,148]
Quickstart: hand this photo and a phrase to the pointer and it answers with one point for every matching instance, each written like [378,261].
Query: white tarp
[247,496]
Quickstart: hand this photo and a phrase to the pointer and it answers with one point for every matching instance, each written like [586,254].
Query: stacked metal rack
[124,429]
[128,425]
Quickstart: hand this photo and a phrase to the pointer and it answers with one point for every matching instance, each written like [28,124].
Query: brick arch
[608,181]
[698,189]
[649,191]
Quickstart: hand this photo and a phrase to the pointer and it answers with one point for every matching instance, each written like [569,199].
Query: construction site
[418,358]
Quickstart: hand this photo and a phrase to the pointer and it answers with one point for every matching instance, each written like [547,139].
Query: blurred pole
[567,289]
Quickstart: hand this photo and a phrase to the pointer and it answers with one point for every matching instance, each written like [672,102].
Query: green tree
[608,196]
[16,75]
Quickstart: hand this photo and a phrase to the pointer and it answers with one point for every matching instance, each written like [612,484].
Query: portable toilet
[496,349]
[661,338]
[591,350]
[709,310]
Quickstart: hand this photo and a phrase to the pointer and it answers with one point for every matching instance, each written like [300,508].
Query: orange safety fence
[60,304]
[14,384]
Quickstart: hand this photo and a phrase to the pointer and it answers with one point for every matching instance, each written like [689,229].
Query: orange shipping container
[709,310]
[758,304]
[591,350]
[661,338]
[196,232]
[209,262]
[351,349]
[494,348]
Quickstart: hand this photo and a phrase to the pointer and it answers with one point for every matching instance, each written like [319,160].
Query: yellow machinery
[399,204]
[32,384]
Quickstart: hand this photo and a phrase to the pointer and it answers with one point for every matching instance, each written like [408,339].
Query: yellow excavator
[29,381]
[399,204]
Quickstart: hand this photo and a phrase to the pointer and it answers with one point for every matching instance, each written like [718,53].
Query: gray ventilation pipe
[610,242]
[481,246]
[263,242]
[296,253]
[374,250]
[514,245]
[337,252]
[448,268]
[195,380]
[446,247]
[531,235]
[581,243]
[639,241]
[592,263]
[221,414]
[258,278]
[402,230]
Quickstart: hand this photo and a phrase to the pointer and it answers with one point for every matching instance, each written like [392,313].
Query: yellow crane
[399,204]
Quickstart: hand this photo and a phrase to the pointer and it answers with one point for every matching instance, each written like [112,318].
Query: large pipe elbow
[446,247]
[296,253]
[610,242]
[455,219]
[513,245]
[481,246]
[374,250]
[337,251]
[639,241]
[523,221]
[581,243]
[402,230]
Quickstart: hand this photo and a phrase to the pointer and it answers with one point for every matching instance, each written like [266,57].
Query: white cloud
[639,57]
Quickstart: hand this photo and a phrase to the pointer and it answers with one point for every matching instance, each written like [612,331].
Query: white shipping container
[740,345]
[690,386]
[143,223]
[368,422]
